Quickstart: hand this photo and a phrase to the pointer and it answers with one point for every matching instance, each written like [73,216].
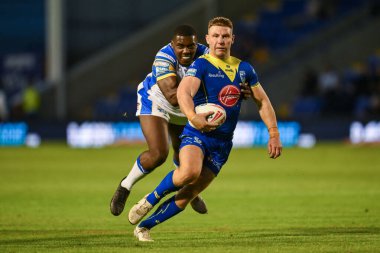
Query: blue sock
[164,188]
[165,211]
[144,171]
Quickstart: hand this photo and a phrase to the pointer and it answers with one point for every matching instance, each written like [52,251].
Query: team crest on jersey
[229,95]
[242,76]
[197,140]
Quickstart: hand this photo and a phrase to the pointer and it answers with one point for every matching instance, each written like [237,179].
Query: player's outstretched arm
[268,115]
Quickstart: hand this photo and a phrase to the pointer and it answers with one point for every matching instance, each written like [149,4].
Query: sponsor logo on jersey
[229,95]
[158,63]
[191,72]
[228,69]
[163,70]
[219,74]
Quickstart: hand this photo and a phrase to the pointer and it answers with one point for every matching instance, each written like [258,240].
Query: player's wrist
[274,135]
[191,118]
[273,132]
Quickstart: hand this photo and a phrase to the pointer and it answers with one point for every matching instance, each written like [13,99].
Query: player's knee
[158,156]
[189,176]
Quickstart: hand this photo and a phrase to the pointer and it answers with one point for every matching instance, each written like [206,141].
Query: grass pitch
[325,199]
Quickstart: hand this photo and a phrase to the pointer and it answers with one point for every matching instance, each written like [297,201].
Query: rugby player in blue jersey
[159,113]
[206,146]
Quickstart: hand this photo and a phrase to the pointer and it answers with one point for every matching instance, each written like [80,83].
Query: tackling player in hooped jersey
[213,78]
[164,96]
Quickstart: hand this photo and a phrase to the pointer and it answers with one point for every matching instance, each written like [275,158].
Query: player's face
[185,48]
[220,40]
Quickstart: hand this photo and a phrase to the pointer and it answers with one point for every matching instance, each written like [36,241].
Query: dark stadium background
[318,60]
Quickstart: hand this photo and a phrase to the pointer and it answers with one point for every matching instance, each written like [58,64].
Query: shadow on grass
[112,238]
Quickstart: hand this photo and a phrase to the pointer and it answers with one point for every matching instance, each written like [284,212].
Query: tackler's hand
[246,91]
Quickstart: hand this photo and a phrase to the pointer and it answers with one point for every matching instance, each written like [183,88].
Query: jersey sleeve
[163,66]
[252,78]
[201,50]
[196,69]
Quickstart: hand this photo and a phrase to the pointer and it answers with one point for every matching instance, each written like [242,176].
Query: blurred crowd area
[21,86]
[279,24]
[326,91]
[353,89]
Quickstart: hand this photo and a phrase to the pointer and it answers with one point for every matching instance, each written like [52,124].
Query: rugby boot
[199,205]
[143,234]
[118,200]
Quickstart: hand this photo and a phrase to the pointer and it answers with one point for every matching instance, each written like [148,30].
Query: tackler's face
[185,48]
[220,40]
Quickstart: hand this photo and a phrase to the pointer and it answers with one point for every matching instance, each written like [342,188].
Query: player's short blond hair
[220,21]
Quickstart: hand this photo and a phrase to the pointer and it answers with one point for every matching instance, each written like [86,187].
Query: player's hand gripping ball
[219,115]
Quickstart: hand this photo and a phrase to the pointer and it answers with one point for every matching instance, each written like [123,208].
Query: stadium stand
[271,31]
[276,36]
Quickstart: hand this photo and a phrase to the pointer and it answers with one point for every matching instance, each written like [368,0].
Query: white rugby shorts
[146,106]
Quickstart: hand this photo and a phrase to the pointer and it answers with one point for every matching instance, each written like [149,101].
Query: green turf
[326,199]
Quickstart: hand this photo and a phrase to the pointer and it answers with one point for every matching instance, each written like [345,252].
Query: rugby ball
[219,115]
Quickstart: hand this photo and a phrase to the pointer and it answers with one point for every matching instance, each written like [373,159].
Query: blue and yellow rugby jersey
[220,84]
[165,64]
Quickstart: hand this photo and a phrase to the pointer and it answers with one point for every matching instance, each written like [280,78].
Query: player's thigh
[155,130]
[191,159]
[174,132]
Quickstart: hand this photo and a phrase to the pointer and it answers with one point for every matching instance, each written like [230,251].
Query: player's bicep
[259,94]
[168,84]
[188,86]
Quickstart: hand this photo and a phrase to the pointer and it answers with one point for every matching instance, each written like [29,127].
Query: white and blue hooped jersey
[166,64]
[220,84]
